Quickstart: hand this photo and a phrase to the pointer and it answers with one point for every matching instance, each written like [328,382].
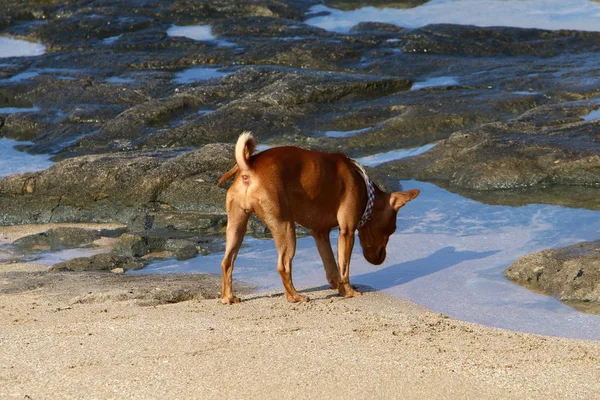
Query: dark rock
[57,239]
[571,273]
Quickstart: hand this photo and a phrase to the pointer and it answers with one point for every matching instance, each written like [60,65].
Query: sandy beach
[104,335]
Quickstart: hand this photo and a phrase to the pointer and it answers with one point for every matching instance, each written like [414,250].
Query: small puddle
[58,73]
[197,32]
[196,74]
[439,81]
[118,79]
[376,159]
[16,110]
[448,254]
[341,134]
[23,76]
[593,115]
[16,162]
[111,40]
[10,47]
[54,257]
[525,93]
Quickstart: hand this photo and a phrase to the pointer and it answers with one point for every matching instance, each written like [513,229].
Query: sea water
[543,14]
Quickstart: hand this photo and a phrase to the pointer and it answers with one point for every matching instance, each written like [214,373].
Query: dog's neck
[370,194]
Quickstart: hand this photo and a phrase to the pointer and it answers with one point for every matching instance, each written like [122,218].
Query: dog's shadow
[398,274]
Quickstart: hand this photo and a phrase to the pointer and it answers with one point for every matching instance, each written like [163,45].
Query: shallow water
[544,14]
[15,162]
[448,254]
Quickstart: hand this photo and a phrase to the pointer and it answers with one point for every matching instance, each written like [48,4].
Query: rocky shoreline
[137,144]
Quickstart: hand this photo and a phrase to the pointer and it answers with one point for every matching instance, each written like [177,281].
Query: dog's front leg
[237,221]
[324,246]
[345,245]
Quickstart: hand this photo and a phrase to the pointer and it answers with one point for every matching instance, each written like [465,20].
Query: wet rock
[376,26]
[528,151]
[113,187]
[571,273]
[467,40]
[130,246]
[100,262]
[185,252]
[355,4]
[273,102]
[57,239]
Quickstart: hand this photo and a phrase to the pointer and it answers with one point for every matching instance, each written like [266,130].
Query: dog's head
[375,234]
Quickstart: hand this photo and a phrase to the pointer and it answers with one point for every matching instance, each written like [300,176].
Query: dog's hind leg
[237,221]
[284,233]
[324,246]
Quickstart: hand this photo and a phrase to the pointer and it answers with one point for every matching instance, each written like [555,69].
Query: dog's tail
[243,150]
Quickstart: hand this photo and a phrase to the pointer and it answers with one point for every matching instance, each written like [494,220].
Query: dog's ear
[398,199]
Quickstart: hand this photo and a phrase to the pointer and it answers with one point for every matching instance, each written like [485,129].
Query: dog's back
[314,184]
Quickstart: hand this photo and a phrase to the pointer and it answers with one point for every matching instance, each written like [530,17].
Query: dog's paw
[298,298]
[348,291]
[230,300]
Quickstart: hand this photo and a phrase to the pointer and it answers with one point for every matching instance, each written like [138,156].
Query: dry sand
[95,336]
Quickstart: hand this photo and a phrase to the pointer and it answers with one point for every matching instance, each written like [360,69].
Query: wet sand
[100,336]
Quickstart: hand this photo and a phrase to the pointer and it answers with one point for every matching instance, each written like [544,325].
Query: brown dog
[320,191]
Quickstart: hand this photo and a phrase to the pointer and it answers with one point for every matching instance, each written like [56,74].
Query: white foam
[543,14]
[10,47]
[16,162]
